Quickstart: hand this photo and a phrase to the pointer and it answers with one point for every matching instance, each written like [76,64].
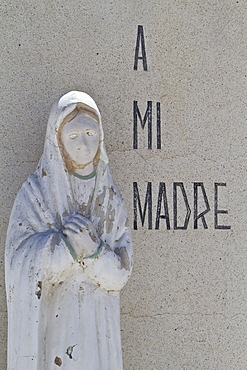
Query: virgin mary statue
[68,251]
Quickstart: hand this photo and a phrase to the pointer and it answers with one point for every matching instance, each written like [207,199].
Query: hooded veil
[60,314]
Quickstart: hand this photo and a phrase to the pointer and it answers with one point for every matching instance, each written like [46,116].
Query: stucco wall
[185,306]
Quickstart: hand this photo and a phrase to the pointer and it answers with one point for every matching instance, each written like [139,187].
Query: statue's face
[80,138]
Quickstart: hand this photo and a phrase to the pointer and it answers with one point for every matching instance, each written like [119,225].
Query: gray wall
[185,306]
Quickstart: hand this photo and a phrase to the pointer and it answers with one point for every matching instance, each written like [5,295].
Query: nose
[82,142]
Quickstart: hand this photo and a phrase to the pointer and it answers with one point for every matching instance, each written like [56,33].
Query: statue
[68,251]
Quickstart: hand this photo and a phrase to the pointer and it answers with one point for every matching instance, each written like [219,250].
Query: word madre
[181,214]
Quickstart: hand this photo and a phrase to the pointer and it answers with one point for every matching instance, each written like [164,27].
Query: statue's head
[79,137]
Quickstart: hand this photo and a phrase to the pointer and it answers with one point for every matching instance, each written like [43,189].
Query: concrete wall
[185,306]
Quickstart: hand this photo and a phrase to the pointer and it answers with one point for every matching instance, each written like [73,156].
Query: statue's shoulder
[32,184]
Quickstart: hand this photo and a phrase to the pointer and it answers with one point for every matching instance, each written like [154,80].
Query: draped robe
[61,314]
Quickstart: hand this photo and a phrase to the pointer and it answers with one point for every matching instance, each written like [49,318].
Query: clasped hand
[81,235]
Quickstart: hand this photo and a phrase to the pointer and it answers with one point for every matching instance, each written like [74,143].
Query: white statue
[68,251]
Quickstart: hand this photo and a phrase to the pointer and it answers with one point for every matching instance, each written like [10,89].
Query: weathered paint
[65,312]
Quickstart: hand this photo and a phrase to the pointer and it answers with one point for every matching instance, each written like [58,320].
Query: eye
[90,133]
[73,135]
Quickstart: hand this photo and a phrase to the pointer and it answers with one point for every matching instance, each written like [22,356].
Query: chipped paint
[105,210]
[43,172]
[124,256]
[39,290]
[69,351]
[55,240]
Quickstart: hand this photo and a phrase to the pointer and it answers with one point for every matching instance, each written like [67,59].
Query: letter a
[140,41]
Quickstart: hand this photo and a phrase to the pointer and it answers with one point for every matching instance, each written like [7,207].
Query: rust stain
[58,361]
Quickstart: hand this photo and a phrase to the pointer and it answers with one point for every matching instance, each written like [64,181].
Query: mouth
[84,152]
